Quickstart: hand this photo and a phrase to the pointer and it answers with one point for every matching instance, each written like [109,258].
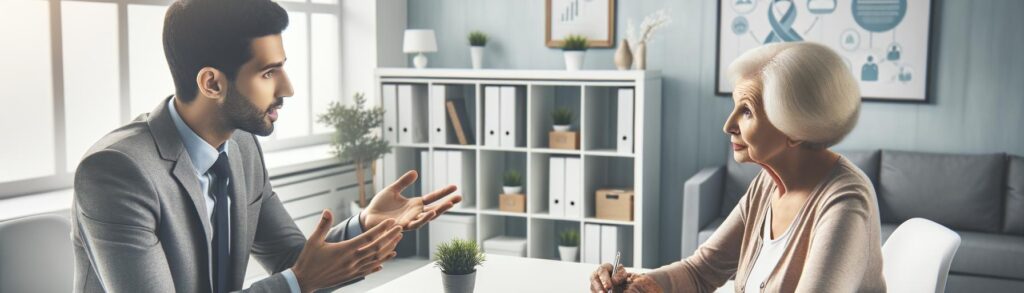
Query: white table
[504,274]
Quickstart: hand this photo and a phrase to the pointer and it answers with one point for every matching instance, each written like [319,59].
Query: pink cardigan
[835,246]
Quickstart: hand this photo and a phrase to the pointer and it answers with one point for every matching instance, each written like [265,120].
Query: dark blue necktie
[221,257]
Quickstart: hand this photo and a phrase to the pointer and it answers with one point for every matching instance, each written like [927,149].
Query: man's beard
[244,115]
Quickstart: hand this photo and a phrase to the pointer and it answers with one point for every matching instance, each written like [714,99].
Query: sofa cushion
[988,254]
[1015,196]
[737,179]
[867,161]
[958,191]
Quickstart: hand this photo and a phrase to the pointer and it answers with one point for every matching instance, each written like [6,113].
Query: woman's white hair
[808,93]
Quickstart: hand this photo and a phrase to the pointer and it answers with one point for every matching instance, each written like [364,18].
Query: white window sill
[277,162]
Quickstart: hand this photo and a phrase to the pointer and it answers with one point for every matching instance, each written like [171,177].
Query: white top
[769,255]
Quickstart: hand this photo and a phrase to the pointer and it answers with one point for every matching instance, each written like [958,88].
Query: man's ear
[212,83]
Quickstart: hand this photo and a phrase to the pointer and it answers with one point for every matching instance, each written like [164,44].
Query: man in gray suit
[178,200]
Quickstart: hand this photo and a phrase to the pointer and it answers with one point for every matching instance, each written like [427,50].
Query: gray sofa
[981,197]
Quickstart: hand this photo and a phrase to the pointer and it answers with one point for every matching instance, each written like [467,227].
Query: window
[85,67]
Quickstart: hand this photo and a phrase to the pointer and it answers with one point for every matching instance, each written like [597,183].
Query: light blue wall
[977,89]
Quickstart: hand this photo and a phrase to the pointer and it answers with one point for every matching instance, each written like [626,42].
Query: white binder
[625,121]
[425,172]
[438,127]
[439,175]
[492,115]
[390,169]
[611,242]
[411,117]
[390,94]
[556,184]
[511,124]
[573,188]
[592,243]
[454,172]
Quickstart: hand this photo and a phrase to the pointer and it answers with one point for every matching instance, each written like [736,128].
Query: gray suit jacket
[140,222]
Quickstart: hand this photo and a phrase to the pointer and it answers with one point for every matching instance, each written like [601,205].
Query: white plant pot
[458,283]
[573,60]
[568,253]
[477,56]
[512,189]
[562,128]
[354,209]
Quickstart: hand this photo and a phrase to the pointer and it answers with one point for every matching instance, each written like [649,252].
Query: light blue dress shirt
[203,155]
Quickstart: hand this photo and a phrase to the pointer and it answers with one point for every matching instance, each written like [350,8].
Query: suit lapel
[239,215]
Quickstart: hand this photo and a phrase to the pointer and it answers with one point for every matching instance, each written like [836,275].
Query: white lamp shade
[419,41]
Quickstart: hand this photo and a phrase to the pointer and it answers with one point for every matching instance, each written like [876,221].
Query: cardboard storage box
[449,226]
[506,245]
[614,204]
[568,140]
[515,202]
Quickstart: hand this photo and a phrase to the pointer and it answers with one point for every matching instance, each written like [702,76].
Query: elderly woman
[809,221]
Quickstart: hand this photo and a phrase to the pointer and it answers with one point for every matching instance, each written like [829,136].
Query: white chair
[917,256]
[36,254]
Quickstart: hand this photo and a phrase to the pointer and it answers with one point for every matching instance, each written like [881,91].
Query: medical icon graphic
[905,74]
[821,6]
[849,39]
[879,15]
[740,25]
[743,6]
[894,52]
[869,72]
[782,27]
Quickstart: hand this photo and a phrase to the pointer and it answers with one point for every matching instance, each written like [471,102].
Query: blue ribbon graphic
[782,31]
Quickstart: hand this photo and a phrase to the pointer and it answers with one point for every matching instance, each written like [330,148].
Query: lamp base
[420,61]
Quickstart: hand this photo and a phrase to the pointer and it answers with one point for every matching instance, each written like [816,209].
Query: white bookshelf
[590,95]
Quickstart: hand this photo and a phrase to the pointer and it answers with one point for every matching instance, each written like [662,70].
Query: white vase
[512,189]
[573,60]
[568,253]
[354,209]
[561,128]
[458,283]
[476,54]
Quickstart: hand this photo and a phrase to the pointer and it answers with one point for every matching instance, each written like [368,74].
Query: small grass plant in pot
[569,245]
[458,260]
[573,48]
[562,118]
[513,182]
[477,41]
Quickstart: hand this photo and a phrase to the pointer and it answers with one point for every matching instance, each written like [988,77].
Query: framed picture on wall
[884,43]
[594,19]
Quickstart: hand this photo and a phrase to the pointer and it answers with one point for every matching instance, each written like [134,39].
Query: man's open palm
[410,213]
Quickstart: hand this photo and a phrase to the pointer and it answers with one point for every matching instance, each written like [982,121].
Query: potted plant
[354,140]
[573,48]
[562,118]
[458,260]
[513,182]
[568,245]
[477,41]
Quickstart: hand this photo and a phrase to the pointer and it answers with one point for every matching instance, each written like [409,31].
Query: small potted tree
[354,140]
[562,118]
[458,260]
[568,245]
[573,48]
[477,41]
[513,182]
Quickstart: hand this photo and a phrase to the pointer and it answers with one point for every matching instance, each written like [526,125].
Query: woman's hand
[637,283]
[602,279]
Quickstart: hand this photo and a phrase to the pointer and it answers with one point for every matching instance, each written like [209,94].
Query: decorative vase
[640,56]
[562,128]
[477,56]
[568,253]
[512,189]
[458,283]
[573,60]
[623,56]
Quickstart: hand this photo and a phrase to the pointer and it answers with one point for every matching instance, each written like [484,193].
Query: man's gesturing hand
[411,213]
[322,264]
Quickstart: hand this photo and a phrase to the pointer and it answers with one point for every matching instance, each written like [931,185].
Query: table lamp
[419,41]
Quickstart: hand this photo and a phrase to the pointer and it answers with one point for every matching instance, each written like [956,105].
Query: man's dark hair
[215,33]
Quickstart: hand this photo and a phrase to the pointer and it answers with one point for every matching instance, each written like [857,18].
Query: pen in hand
[615,266]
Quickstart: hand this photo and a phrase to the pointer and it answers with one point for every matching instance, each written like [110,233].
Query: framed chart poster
[594,19]
[885,43]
